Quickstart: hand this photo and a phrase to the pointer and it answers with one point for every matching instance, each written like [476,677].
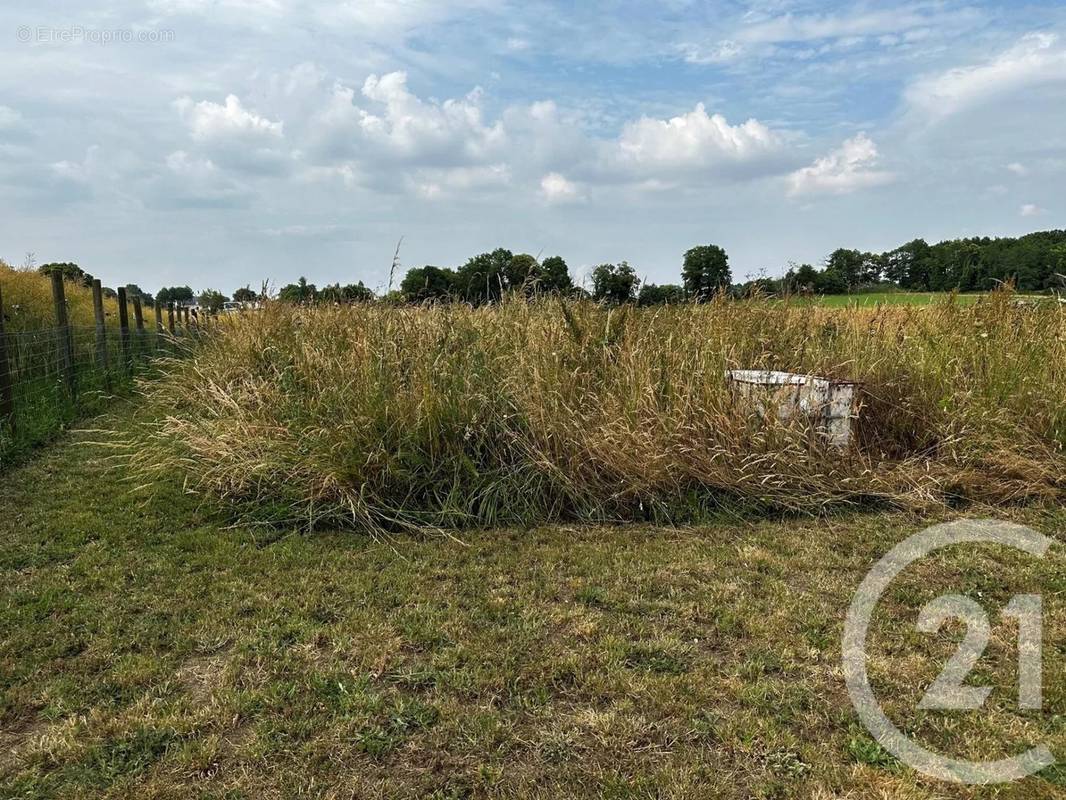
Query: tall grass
[28,304]
[377,417]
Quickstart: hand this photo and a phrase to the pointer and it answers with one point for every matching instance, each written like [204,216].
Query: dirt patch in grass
[16,739]
[201,676]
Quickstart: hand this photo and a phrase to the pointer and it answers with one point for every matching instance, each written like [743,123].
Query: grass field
[869,299]
[148,651]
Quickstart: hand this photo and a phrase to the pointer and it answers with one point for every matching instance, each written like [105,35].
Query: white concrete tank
[832,405]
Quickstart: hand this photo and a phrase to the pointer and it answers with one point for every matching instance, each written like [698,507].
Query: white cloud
[234,136]
[412,129]
[694,140]
[814,27]
[1018,169]
[181,163]
[209,121]
[9,118]
[377,18]
[1030,210]
[432,183]
[192,181]
[556,188]
[846,169]
[1037,58]
[719,53]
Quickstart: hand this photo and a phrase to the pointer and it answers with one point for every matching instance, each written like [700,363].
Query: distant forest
[1035,262]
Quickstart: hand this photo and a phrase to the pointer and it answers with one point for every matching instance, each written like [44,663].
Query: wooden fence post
[7,397]
[64,343]
[170,318]
[124,326]
[101,332]
[157,309]
[138,319]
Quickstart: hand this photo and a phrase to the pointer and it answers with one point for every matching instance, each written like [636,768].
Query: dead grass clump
[378,417]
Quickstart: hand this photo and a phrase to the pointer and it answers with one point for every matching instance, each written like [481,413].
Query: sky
[218,143]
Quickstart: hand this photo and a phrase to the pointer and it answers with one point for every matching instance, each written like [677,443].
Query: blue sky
[224,142]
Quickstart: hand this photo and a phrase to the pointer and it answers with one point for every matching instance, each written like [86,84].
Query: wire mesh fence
[51,377]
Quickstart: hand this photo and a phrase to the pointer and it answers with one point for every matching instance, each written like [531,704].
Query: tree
[133,290]
[245,295]
[351,293]
[71,272]
[428,283]
[614,285]
[555,276]
[212,299]
[300,293]
[523,274]
[174,294]
[705,272]
[483,279]
[803,280]
[667,294]
[846,266]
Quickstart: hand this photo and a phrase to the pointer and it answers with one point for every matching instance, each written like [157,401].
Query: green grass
[148,650]
[870,299]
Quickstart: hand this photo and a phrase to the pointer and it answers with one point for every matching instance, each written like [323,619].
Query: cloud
[1030,210]
[696,141]
[402,128]
[1018,169]
[719,53]
[191,181]
[209,121]
[1037,58]
[844,170]
[430,183]
[556,188]
[815,27]
[235,137]
[9,118]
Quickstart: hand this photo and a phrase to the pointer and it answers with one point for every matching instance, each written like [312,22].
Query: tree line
[485,278]
[1034,262]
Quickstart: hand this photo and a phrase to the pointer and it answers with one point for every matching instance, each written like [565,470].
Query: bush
[381,417]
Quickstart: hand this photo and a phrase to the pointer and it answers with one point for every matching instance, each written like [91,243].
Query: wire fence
[51,377]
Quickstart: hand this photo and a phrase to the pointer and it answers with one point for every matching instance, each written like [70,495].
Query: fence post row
[64,342]
[101,332]
[7,397]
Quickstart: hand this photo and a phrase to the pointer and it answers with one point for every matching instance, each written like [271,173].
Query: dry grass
[378,417]
[28,302]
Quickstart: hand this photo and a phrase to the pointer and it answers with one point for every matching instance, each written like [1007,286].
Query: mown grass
[888,298]
[381,418]
[147,651]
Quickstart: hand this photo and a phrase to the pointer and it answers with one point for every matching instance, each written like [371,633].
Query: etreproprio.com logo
[948,691]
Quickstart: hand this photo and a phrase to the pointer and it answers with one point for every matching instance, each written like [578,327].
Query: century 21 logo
[948,690]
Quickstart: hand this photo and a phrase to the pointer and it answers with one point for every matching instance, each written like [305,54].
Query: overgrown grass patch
[386,419]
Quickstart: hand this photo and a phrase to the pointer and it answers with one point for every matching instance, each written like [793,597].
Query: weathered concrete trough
[831,405]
